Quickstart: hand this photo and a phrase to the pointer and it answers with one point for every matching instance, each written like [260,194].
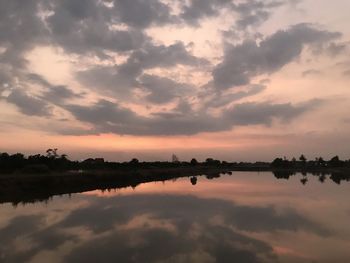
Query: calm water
[246,217]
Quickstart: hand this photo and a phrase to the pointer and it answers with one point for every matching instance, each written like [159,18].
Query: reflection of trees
[283,174]
[322,178]
[304,180]
[213,175]
[338,177]
[302,158]
[193,180]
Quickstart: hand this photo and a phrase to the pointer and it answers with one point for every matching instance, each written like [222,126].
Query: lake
[243,217]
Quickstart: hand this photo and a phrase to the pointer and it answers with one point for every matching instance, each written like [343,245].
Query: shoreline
[26,188]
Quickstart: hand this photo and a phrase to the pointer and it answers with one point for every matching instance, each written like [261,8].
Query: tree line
[302,162]
[53,161]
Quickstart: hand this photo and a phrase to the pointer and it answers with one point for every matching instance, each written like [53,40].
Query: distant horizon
[167,156]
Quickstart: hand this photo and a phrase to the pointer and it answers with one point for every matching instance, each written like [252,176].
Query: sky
[238,80]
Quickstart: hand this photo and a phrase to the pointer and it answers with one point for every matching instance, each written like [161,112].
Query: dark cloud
[59,94]
[103,112]
[311,72]
[5,79]
[28,104]
[163,90]
[250,13]
[220,99]
[85,26]
[254,19]
[40,104]
[254,13]
[346,73]
[216,244]
[335,49]
[244,61]
[55,94]
[198,9]
[142,13]
[165,56]
[251,113]
[37,79]
[20,29]
[108,117]
[19,226]
[123,78]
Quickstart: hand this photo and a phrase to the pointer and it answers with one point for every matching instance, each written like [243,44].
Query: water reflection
[22,192]
[193,180]
[155,228]
[336,177]
[215,221]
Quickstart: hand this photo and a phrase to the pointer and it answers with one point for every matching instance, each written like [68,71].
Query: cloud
[122,79]
[103,112]
[335,49]
[198,9]
[142,13]
[56,94]
[251,113]
[250,13]
[5,79]
[29,105]
[20,28]
[108,117]
[40,104]
[244,61]
[163,90]
[21,225]
[346,73]
[311,72]
[85,26]
[254,13]
[214,99]
[119,56]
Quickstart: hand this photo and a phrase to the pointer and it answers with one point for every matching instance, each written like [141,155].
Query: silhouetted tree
[278,162]
[335,162]
[194,161]
[175,159]
[211,161]
[52,153]
[281,163]
[134,161]
[302,158]
[320,161]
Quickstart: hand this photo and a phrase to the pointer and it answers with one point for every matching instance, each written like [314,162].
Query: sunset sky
[236,80]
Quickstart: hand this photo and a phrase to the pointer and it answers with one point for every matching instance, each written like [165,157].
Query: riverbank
[23,188]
